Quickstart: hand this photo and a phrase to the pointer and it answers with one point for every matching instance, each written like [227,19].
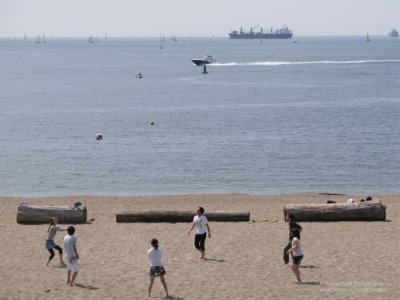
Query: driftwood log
[33,214]
[178,216]
[363,211]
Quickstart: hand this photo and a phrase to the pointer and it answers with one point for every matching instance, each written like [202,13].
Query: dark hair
[71,230]
[296,233]
[201,209]
[154,243]
[369,198]
[290,216]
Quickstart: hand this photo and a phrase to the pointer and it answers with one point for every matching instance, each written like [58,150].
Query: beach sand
[342,260]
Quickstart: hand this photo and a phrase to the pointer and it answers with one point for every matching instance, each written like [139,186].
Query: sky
[119,18]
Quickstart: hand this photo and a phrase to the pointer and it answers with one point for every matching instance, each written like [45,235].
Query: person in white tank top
[297,254]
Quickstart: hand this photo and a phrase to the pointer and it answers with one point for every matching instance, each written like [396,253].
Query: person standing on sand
[201,223]
[50,244]
[297,254]
[293,226]
[154,255]
[71,255]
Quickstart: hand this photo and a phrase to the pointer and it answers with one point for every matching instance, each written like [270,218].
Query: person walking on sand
[293,226]
[154,255]
[71,255]
[297,254]
[50,244]
[201,223]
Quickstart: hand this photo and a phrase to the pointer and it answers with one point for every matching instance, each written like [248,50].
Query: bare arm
[294,248]
[76,251]
[209,230]
[191,228]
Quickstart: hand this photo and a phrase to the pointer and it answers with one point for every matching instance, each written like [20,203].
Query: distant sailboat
[43,39]
[173,38]
[38,39]
[367,39]
[161,45]
[25,38]
[212,39]
[295,40]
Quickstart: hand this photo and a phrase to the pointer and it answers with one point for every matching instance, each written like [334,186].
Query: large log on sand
[33,214]
[363,211]
[178,216]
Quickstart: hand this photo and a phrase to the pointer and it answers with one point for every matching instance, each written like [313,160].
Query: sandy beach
[342,260]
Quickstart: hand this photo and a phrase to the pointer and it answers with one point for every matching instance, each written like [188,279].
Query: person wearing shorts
[201,223]
[293,226]
[154,255]
[71,255]
[50,244]
[297,254]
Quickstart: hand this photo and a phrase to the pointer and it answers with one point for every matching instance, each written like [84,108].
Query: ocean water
[275,117]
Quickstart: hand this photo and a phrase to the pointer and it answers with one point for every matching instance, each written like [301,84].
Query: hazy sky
[195,18]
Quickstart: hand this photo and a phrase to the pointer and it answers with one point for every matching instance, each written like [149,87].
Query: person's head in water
[200,211]
[71,230]
[154,243]
[289,218]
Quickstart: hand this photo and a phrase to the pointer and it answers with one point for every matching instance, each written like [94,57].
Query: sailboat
[38,40]
[161,45]
[295,40]
[367,38]
[43,39]
[212,39]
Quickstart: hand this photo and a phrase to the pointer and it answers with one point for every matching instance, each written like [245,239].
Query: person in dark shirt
[293,226]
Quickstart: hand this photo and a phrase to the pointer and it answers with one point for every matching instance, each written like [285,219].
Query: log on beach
[363,211]
[178,216]
[33,214]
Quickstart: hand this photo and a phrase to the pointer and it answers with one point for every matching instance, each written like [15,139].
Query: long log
[362,211]
[151,216]
[33,214]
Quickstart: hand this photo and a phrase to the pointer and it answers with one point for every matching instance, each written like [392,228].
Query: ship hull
[260,36]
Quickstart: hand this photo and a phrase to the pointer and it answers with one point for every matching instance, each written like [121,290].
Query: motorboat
[208,59]
[139,75]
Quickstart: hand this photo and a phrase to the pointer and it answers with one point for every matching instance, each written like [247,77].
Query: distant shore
[342,260]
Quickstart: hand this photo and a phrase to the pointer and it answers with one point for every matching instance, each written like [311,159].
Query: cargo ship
[279,33]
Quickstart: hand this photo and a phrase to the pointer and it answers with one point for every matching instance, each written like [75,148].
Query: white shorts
[74,266]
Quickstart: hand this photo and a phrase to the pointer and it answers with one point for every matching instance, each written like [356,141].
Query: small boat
[367,38]
[139,75]
[208,59]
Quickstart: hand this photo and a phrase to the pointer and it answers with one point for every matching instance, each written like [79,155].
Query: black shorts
[297,259]
[157,271]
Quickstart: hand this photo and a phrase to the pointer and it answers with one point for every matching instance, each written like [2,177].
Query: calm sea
[321,115]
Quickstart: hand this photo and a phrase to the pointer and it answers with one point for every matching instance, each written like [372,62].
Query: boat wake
[318,62]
